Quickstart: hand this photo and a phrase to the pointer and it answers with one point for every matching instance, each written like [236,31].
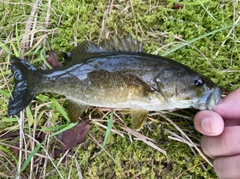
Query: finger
[229,108]
[225,144]
[209,123]
[227,167]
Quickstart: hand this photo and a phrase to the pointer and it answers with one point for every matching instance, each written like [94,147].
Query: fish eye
[198,82]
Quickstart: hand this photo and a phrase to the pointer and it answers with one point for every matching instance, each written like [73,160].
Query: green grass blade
[45,61]
[108,131]
[60,109]
[69,126]
[31,155]
[43,98]
[5,48]
[29,115]
[16,52]
[198,38]
[53,129]
[18,39]
[9,119]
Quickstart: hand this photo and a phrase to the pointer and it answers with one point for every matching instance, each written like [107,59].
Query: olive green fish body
[117,74]
[112,81]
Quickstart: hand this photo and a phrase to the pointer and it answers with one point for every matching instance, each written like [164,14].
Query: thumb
[209,123]
[229,108]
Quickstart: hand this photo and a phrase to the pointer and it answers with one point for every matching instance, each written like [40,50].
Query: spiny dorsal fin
[85,47]
[121,44]
[117,44]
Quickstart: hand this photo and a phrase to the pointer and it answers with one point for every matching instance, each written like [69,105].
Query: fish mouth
[209,99]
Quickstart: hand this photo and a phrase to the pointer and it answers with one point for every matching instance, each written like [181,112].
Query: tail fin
[23,92]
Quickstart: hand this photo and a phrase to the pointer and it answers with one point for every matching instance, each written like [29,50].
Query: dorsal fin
[121,44]
[85,47]
[117,44]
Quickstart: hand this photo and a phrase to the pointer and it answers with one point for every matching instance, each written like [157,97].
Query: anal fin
[139,117]
[75,110]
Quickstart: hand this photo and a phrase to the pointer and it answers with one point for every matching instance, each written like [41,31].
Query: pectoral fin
[75,110]
[137,85]
[139,117]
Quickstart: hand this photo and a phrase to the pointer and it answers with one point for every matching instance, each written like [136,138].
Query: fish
[116,74]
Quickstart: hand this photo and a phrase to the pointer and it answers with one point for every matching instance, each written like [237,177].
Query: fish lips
[209,99]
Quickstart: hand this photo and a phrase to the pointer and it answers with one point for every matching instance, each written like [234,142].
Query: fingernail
[207,125]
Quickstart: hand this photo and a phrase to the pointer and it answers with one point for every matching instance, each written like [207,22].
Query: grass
[203,35]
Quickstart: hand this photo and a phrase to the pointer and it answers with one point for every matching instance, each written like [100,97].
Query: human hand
[221,135]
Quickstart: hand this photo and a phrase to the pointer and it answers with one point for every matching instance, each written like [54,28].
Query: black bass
[115,74]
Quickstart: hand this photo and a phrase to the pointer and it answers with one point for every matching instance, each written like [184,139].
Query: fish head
[185,88]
